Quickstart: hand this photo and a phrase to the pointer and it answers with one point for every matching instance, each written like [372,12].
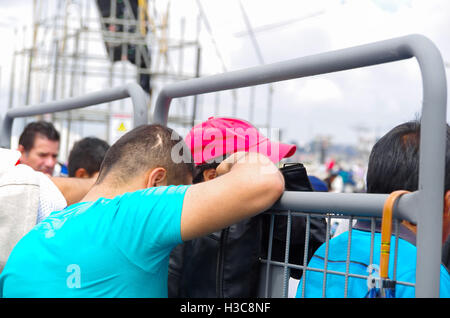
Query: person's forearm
[248,184]
[263,185]
[251,159]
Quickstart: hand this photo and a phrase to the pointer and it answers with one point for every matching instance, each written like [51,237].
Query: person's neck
[108,191]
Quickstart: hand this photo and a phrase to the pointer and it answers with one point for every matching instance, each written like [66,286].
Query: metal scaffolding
[76,47]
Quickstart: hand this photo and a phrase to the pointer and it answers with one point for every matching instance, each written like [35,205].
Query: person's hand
[244,157]
[226,165]
[248,177]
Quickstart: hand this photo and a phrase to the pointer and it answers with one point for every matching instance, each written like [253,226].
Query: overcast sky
[376,98]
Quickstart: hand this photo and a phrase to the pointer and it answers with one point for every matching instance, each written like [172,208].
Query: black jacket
[226,263]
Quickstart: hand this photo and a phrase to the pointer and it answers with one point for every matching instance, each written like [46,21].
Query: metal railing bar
[133,90]
[327,246]
[286,256]
[347,261]
[321,270]
[355,204]
[372,239]
[397,236]
[269,255]
[307,233]
[328,62]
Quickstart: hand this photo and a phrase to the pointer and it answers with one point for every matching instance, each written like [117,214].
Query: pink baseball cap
[217,137]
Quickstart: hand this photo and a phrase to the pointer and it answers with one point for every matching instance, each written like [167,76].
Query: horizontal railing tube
[132,90]
[355,204]
[339,60]
[429,198]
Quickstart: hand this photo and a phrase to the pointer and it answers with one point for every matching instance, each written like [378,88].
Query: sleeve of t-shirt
[148,223]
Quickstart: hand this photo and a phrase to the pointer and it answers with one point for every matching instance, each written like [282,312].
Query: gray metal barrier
[428,198]
[132,90]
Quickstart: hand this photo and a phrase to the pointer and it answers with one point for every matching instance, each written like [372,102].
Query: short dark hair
[394,160]
[143,148]
[87,153]
[43,128]
[210,164]
[198,172]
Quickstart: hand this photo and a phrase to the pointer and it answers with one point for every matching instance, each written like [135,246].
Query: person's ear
[447,204]
[21,149]
[156,177]
[81,173]
[209,174]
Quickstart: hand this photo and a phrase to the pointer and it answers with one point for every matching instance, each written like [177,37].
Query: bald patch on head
[158,142]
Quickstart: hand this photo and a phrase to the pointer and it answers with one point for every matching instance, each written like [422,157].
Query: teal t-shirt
[358,263]
[108,248]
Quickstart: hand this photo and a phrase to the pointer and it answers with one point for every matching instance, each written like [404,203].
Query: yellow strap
[386,230]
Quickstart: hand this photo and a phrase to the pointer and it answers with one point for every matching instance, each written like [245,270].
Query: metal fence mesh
[275,275]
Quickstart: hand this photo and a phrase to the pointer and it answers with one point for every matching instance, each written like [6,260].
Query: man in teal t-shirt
[116,242]
[131,234]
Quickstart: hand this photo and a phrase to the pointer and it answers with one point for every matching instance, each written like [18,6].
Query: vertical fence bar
[347,262]
[372,238]
[325,267]
[286,256]
[269,256]
[431,166]
[397,234]
[306,249]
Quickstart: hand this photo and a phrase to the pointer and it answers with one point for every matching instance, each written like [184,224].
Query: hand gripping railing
[425,206]
[132,90]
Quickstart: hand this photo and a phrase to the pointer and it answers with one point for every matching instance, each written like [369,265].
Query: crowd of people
[158,215]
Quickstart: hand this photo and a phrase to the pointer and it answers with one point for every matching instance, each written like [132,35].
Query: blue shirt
[358,265]
[108,248]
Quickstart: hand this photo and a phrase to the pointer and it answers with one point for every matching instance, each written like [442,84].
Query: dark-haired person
[116,242]
[393,165]
[86,157]
[39,146]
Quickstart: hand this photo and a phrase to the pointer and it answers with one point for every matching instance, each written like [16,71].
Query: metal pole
[197,74]
[350,204]
[360,56]
[31,54]
[132,90]
[432,166]
[13,72]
